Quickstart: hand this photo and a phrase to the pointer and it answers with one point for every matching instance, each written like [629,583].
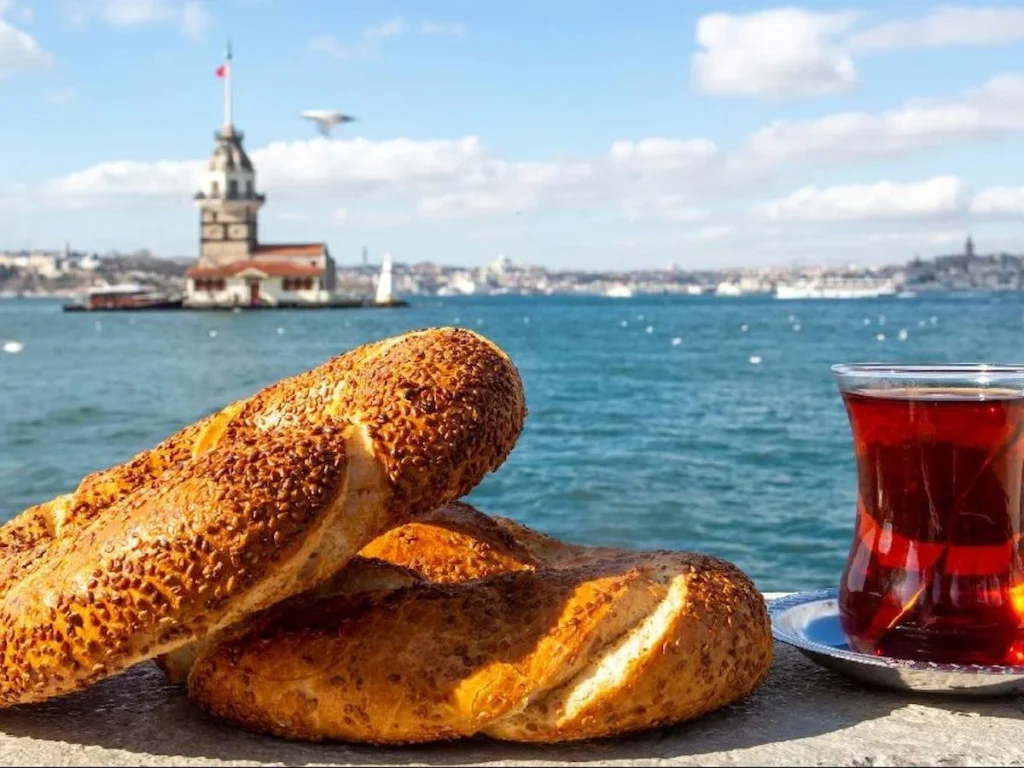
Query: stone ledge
[803,715]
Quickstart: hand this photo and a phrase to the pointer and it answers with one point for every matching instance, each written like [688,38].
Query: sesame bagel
[263,500]
[470,625]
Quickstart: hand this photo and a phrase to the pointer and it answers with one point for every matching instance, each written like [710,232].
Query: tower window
[214,189]
[232,189]
[248,188]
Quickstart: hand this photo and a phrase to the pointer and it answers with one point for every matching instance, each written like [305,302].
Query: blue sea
[649,424]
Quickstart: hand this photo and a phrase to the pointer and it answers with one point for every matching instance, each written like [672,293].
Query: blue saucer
[809,621]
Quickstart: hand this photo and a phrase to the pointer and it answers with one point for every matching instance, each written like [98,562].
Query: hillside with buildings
[68,273]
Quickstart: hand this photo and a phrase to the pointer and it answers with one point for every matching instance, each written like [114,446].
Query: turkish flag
[222,70]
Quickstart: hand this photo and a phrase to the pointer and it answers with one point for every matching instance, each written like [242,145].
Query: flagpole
[227,86]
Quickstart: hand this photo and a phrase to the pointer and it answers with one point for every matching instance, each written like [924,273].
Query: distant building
[234,268]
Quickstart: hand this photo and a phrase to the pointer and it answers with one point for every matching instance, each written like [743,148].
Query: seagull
[326,119]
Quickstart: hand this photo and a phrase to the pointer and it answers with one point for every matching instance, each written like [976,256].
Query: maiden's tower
[234,268]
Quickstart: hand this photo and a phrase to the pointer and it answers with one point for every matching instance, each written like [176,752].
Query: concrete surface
[803,715]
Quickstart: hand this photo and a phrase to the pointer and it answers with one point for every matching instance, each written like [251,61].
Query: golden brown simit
[261,501]
[475,625]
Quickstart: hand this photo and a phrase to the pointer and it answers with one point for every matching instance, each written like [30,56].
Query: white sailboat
[384,286]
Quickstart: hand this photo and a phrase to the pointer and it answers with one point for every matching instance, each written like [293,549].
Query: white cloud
[350,167]
[129,13]
[195,20]
[660,154]
[328,45]
[491,187]
[466,205]
[390,28]
[792,52]
[365,47]
[678,188]
[944,26]
[917,237]
[945,237]
[442,29]
[351,219]
[669,208]
[190,16]
[355,165]
[779,52]
[994,110]
[368,44]
[19,51]
[126,179]
[886,237]
[713,233]
[999,202]
[936,197]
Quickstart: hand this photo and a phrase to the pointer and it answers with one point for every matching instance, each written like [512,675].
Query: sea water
[671,437]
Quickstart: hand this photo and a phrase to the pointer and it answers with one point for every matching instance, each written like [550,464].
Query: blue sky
[587,135]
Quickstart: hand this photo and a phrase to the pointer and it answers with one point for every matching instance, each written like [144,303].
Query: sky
[575,134]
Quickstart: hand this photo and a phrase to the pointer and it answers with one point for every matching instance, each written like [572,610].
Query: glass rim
[900,370]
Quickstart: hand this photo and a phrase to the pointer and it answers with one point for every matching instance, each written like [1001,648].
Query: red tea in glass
[935,571]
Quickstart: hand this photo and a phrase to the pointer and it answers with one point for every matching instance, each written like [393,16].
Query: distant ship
[124,296]
[836,288]
[726,288]
[619,291]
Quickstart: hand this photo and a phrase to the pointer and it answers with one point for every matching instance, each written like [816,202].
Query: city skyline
[627,137]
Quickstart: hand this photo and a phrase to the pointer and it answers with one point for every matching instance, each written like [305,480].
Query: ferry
[836,288]
[728,289]
[619,291]
[124,296]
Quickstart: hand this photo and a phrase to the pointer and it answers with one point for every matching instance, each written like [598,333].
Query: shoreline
[180,307]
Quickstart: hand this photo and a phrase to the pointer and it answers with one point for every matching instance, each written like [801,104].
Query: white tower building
[228,201]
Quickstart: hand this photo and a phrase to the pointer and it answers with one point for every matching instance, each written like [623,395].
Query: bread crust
[526,639]
[261,501]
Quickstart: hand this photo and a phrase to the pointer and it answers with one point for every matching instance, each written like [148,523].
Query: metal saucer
[809,621]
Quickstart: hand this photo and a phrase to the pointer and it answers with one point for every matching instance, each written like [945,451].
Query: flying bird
[326,119]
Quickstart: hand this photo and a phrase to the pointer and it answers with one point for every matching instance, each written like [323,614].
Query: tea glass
[936,567]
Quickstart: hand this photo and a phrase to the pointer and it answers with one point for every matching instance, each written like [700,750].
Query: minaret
[228,202]
[384,282]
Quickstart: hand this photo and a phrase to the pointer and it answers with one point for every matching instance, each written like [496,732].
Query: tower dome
[229,172]
[229,155]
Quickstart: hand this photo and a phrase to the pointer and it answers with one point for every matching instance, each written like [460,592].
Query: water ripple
[631,440]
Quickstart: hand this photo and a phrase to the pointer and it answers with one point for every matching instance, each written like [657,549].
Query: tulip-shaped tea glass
[936,569]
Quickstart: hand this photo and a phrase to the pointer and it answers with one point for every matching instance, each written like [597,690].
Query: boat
[385,295]
[123,296]
[619,291]
[836,288]
[725,288]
